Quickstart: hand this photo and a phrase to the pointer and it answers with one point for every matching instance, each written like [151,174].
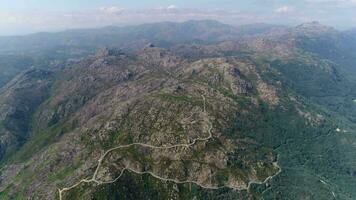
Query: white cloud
[111,10]
[170,7]
[344,1]
[27,22]
[284,9]
[334,2]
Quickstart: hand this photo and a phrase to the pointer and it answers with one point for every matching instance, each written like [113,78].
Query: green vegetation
[67,171]
[39,141]
[154,97]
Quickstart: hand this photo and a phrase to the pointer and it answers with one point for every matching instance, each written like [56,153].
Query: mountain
[47,49]
[178,98]
[351,32]
[131,37]
[316,59]
[262,117]
[12,65]
[164,33]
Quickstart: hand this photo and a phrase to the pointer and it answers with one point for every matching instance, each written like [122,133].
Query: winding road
[94,180]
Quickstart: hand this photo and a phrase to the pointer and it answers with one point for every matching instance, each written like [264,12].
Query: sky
[19,17]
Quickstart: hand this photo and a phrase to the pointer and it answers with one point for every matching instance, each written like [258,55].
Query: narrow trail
[329,187]
[102,157]
[269,178]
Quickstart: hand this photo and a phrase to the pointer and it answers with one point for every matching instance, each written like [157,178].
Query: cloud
[27,22]
[338,3]
[170,7]
[24,23]
[284,9]
[333,1]
[111,10]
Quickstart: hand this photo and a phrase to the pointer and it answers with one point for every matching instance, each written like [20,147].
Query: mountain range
[192,110]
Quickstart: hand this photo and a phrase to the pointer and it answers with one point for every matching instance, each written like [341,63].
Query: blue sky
[27,16]
[22,5]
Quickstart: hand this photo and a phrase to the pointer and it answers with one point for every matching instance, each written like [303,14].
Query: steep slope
[11,65]
[328,43]
[317,61]
[19,100]
[325,42]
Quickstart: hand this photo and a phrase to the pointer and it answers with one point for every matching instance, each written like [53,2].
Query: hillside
[264,117]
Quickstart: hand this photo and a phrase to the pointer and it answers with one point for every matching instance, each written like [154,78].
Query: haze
[28,16]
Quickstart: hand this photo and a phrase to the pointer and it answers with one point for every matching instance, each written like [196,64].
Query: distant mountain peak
[312,23]
[314,27]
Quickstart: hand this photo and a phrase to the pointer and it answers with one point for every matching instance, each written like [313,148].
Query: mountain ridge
[261,99]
